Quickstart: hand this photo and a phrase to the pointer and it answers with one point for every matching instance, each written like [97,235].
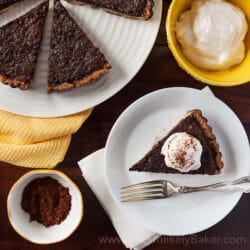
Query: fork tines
[143,191]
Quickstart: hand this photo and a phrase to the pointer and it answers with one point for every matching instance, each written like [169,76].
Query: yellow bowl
[236,75]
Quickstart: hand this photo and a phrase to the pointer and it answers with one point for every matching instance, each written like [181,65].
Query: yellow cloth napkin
[37,142]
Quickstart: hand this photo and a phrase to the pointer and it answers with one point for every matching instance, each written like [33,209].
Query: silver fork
[163,189]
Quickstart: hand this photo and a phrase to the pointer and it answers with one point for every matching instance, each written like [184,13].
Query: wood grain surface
[96,230]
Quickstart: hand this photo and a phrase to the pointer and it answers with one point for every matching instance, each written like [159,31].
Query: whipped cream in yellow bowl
[200,62]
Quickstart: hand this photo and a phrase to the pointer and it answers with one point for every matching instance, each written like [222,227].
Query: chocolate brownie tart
[74,60]
[5,5]
[195,126]
[20,45]
[138,9]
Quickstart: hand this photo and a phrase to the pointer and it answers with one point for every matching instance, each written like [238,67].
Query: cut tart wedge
[189,148]
[74,60]
[20,45]
[137,9]
[6,5]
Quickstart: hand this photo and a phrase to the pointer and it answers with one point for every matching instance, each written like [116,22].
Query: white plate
[125,42]
[146,121]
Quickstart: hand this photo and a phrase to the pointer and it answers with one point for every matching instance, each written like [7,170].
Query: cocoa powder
[47,201]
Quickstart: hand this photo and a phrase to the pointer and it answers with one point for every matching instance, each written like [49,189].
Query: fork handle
[229,186]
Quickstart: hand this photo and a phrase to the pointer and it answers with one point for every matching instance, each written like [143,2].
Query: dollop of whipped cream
[182,152]
[212,33]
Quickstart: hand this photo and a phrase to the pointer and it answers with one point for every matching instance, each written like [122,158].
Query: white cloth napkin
[132,235]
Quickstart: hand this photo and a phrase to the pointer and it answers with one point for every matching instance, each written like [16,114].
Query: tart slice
[189,148]
[74,60]
[5,5]
[137,9]
[20,45]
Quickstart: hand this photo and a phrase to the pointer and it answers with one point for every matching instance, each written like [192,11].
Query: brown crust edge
[210,136]
[14,83]
[147,13]
[9,7]
[76,84]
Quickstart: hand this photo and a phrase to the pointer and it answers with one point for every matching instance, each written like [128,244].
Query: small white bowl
[34,231]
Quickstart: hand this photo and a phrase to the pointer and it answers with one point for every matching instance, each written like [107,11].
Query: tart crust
[208,131]
[147,13]
[9,8]
[14,83]
[76,84]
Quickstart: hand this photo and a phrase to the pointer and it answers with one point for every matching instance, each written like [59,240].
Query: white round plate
[145,122]
[125,42]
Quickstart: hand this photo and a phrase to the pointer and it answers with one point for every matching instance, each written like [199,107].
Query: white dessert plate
[140,126]
[125,42]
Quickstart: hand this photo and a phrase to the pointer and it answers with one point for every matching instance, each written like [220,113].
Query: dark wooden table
[159,71]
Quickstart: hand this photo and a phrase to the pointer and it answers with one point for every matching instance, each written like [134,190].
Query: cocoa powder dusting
[180,157]
[47,201]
